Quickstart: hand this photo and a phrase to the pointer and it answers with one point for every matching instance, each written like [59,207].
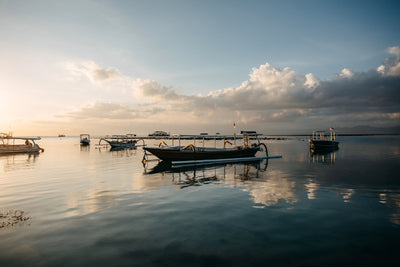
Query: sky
[277,67]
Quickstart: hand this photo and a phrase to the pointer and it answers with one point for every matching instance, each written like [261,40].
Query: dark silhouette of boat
[200,153]
[324,140]
[121,141]
[84,139]
[191,152]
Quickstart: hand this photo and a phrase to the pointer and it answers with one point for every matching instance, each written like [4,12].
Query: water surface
[92,206]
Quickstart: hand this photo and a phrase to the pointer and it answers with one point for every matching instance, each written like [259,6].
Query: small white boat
[11,145]
[84,139]
[324,140]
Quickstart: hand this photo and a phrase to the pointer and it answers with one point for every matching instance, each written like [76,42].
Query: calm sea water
[88,206]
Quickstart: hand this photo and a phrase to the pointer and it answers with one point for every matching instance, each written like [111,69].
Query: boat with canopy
[10,144]
[84,139]
[192,152]
[324,140]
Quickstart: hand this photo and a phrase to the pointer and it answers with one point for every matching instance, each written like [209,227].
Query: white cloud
[394,70]
[274,79]
[311,81]
[152,89]
[346,73]
[395,50]
[92,71]
[391,66]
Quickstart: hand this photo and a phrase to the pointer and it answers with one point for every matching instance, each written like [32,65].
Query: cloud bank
[271,97]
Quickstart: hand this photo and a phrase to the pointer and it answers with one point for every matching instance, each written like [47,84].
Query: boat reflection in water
[16,162]
[195,175]
[84,148]
[120,151]
[264,188]
[323,156]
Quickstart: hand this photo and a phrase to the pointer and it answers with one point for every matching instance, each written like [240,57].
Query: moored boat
[121,141]
[84,139]
[192,152]
[11,145]
[159,134]
[324,140]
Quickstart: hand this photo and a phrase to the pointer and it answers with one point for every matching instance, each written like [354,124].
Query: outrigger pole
[226,160]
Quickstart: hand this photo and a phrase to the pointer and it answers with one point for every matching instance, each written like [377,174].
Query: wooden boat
[11,145]
[324,140]
[84,139]
[121,141]
[192,152]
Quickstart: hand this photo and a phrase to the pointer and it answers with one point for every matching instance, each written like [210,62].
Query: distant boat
[159,133]
[84,139]
[121,141]
[11,145]
[61,135]
[324,140]
[249,132]
[191,152]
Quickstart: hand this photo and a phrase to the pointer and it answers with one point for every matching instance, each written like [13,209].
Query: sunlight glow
[4,111]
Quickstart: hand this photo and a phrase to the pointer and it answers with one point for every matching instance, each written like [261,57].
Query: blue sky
[138,59]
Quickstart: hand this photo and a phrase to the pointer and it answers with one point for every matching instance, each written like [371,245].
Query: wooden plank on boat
[226,160]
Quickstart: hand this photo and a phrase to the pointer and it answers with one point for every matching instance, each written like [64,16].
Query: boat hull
[116,144]
[85,142]
[324,144]
[11,149]
[181,155]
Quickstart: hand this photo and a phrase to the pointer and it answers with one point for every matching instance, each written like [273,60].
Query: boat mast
[234,134]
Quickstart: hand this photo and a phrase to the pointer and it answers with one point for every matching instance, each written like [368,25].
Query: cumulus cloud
[92,71]
[395,50]
[267,88]
[152,89]
[346,73]
[270,95]
[391,66]
[311,81]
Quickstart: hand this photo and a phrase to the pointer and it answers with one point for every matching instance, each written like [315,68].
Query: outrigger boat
[324,140]
[191,153]
[121,141]
[84,139]
[8,144]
